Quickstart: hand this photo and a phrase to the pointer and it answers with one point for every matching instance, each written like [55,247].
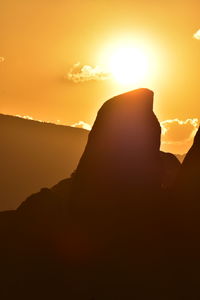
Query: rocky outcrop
[123,145]
[188,180]
[121,158]
[104,233]
[170,169]
[186,192]
[121,173]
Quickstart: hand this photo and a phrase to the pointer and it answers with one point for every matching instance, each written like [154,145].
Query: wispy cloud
[177,131]
[2,59]
[25,117]
[31,118]
[80,73]
[82,124]
[196,35]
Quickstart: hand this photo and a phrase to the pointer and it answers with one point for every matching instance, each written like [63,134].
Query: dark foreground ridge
[124,226]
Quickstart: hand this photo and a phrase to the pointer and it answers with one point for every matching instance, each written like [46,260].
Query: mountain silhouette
[121,165]
[187,208]
[35,155]
[121,160]
[124,141]
[188,180]
[114,229]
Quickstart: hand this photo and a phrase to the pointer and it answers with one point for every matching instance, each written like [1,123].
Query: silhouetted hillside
[111,230]
[35,155]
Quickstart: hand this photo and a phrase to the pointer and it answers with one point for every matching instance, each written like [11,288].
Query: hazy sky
[40,41]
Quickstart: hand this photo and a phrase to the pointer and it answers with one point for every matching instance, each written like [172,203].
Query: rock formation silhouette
[187,210]
[123,145]
[188,180]
[121,159]
[110,231]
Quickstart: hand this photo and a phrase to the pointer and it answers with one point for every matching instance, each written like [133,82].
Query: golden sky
[42,41]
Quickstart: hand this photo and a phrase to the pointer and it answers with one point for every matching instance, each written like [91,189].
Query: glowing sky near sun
[60,60]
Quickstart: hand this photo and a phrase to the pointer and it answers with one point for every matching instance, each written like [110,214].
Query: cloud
[31,118]
[2,59]
[177,131]
[81,73]
[25,117]
[196,35]
[82,124]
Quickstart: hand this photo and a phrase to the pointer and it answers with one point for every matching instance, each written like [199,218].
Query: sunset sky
[60,60]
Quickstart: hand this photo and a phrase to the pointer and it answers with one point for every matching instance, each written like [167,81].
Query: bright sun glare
[131,63]
[128,65]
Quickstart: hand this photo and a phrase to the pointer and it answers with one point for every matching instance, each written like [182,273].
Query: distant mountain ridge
[33,155]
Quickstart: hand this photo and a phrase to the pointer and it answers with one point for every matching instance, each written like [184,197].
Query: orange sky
[41,40]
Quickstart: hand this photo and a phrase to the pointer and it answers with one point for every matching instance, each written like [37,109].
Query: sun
[128,65]
[131,62]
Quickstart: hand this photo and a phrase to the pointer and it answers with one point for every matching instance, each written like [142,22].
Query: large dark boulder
[121,161]
[123,145]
